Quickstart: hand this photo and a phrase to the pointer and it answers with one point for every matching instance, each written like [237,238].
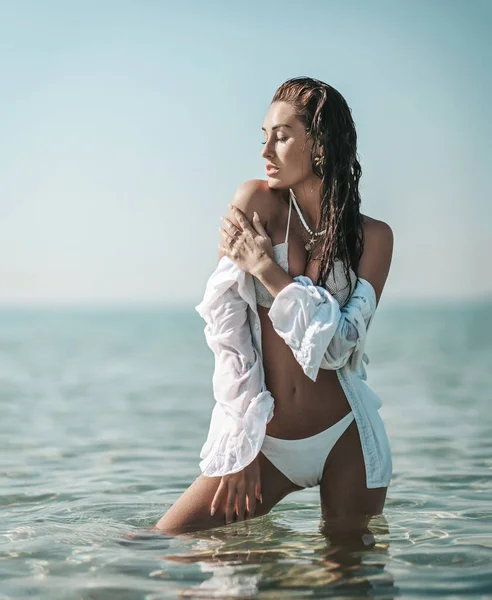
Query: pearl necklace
[313,234]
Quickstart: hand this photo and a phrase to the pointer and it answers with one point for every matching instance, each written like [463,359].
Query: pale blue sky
[127,126]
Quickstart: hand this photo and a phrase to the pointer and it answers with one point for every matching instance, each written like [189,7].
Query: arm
[244,406]
[320,334]
[309,319]
[349,340]
[251,196]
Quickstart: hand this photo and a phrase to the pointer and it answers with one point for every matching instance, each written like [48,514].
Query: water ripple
[103,417]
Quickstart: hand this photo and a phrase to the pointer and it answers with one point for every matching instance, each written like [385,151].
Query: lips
[271,169]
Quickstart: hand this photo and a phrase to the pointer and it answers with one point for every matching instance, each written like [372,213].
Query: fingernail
[261,498]
[212,510]
[255,214]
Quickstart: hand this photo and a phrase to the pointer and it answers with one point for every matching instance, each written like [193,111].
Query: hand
[243,489]
[249,246]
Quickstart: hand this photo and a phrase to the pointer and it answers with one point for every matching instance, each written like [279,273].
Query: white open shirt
[320,334]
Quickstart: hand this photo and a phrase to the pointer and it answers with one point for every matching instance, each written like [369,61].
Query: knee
[177,522]
[168,531]
[348,530]
[169,525]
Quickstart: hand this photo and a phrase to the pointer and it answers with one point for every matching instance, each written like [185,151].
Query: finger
[225,233]
[229,225]
[251,503]
[224,249]
[240,217]
[241,505]
[259,225]
[223,245]
[231,501]
[258,491]
[217,496]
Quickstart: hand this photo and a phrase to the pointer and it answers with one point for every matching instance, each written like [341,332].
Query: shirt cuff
[233,444]
[306,317]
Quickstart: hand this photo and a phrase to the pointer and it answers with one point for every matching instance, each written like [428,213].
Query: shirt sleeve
[319,332]
[243,405]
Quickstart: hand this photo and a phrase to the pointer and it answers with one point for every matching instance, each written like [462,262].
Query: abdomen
[302,407]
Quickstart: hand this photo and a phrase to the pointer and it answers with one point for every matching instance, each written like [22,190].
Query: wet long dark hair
[328,121]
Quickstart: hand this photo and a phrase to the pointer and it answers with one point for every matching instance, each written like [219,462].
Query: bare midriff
[302,407]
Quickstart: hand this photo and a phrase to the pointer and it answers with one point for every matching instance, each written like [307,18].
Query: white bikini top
[281,257]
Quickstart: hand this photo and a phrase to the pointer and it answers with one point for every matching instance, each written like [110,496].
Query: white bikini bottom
[302,461]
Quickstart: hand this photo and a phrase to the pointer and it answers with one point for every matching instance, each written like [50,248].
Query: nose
[267,151]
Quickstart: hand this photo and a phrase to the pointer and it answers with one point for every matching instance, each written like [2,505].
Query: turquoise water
[103,414]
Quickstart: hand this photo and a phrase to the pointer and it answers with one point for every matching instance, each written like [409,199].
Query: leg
[347,505]
[191,511]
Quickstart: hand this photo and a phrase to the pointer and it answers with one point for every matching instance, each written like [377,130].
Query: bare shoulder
[254,195]
[376,259]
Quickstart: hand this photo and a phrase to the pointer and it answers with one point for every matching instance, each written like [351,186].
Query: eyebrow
[277,126]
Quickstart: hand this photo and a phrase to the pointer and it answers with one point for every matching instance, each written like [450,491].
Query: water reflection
[267,557]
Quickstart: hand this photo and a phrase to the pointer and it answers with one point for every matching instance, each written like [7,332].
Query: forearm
[320,334]
[243,404]
[272,276]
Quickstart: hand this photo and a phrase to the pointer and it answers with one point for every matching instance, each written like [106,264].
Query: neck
[309,200]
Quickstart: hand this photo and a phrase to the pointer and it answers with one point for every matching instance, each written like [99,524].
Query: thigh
[346,502]
[191,511]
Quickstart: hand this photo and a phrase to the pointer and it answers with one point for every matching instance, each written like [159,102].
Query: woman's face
[286,146]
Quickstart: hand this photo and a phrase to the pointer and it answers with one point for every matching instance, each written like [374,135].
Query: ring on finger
[234,236]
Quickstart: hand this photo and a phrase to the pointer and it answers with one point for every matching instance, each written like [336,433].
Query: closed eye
[284,139]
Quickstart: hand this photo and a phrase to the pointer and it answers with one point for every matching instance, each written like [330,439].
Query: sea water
[102,417]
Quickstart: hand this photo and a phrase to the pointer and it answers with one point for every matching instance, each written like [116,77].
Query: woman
[287,313]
